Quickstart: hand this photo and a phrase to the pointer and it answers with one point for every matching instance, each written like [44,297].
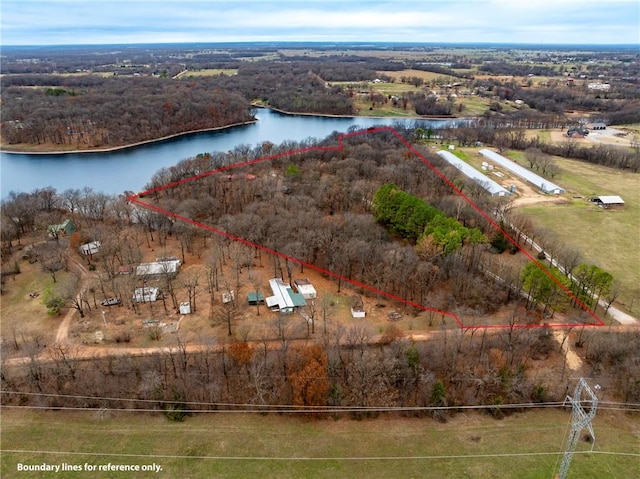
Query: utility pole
[583,412]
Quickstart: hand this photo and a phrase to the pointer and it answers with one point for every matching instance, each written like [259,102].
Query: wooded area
[98,99]
[317,206]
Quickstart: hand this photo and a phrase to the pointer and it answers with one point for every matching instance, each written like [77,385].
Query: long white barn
[487,183]
[542,183]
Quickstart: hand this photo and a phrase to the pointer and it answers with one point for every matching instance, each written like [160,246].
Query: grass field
[472,105]
[426,76]
[24,316]
[240,445]
[209,72]
[608,238]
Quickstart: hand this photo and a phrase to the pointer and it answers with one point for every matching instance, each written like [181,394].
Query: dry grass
[209,72]
[24,317]
[608,238]
[426,76]
[234,445]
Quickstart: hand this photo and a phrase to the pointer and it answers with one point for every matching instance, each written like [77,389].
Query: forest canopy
[414,219]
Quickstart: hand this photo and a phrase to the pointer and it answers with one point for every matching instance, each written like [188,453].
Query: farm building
[577,131]
[608,201]
[89,249]
[67,228]
[228,297]
[284,299]
[146,295]
[305,288]
[126,269]
[598,126]
[543,184]
[157,268]
[357,307]
[254,298]
[487,183]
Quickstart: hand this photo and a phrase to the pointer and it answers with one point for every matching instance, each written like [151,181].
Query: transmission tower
[582,413]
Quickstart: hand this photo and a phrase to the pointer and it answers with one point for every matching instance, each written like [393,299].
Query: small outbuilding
[146,295]
[66,228]
[254,298]
[158,268]
[89,249]
[126,269]
[305,288]
[357,307]
[608,201]
[185,307]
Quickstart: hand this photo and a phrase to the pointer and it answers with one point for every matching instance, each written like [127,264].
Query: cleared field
[426,76]
[608,238]
[24,314]
[210,72]
[472,105]
[241,445]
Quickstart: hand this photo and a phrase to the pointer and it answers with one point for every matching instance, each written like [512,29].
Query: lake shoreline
[218,128]
[131,145]
[329,115]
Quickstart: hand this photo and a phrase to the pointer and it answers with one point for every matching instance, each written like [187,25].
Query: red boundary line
[135,199]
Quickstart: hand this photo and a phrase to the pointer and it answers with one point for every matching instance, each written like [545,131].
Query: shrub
[54,305]
[155,333]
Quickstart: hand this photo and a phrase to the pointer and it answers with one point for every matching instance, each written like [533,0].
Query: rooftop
[469,171]
[545,185]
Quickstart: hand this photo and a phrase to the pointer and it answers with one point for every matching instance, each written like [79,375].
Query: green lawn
[608,238]
[239,445]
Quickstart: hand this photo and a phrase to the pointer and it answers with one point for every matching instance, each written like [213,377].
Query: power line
[281,408]
[306,458]
[259,409]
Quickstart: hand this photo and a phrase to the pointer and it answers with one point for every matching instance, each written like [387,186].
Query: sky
[66,22]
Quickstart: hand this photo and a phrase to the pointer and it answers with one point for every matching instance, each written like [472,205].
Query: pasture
[609,238]
[470,444]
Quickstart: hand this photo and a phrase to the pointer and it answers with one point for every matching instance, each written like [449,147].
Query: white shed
[158,268]
[89,249]
[146,295]
[305,288]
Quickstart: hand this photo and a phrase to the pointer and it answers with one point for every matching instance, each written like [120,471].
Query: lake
[129,169]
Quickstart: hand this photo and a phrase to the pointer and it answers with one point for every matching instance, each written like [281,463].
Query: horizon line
[328,43]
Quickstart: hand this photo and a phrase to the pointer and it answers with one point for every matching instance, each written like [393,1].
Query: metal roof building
[305,288]
[157,268]
[145,295]
[543,184]
[608,201]
[284,299]
[487,183]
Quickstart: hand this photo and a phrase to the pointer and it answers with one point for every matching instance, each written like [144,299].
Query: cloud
[118,21]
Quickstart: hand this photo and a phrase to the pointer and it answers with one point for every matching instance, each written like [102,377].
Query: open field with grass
[243,445]
[609,238]
[209,72]
[472,105]
[24,314]
[426,76]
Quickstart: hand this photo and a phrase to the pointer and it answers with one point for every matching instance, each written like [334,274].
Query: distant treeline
[94,112]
